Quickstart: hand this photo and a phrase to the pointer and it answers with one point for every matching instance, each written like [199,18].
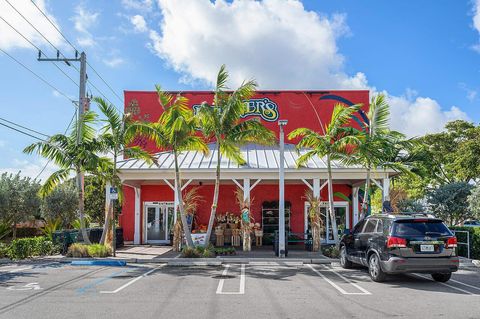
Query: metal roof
[256,157]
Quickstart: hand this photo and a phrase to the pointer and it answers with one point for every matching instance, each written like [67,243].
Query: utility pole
[83,105]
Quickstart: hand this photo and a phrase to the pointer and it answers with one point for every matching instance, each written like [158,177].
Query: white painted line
[241,290]
[445,284]
[347,280]
[334,285]
[462,283]
[130,282]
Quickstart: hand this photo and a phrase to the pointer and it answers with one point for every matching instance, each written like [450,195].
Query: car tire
[375,270]
[344,262]
[442,277]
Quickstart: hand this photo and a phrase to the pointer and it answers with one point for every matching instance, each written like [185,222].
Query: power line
[20,131]
[73,47]
[53,24]
[36,47]
[24,127]
[66,130]
[38,76]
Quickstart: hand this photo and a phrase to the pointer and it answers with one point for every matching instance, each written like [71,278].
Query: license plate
[427,248]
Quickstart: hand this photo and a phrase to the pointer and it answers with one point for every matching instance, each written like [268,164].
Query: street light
[281,186]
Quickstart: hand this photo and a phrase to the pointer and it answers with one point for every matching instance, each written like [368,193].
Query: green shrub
[78,251]
[198,252]
[28,247]
[330,251]
[225,251]
[189,252]
[98,250]
[474,233]
[3,250]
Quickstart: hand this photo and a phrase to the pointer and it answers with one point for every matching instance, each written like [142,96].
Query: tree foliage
[474,202]
[61,204]
[449,202]
[18,199]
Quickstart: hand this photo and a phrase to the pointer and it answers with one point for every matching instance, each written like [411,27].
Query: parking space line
[241,290]
[334,285]
[131,281]
[83,289]
[445,284]
[467,285]
[6,271]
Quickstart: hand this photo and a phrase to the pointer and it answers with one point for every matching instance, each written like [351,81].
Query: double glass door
[341,215]
[158,222]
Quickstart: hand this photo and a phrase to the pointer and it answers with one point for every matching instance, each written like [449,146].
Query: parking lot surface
[55,290]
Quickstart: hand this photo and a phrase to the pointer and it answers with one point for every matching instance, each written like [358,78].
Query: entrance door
[341,216]
[158,222]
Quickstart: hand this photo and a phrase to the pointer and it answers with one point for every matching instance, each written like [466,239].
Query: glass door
[341,216]
[158,222]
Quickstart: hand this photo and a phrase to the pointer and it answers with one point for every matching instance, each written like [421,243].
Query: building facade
[148,209]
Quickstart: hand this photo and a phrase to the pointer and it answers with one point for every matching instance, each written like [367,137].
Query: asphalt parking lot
[54,290]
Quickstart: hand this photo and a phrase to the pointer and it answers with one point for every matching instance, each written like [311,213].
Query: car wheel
[442,277]
[376,272]
[344,262]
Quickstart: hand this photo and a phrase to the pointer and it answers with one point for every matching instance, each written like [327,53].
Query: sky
[424,55]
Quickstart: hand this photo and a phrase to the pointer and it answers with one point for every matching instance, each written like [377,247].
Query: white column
[316,187]
[246,189]
[386,189]
[107,195]
[136,234]
[176,201]
[355,192]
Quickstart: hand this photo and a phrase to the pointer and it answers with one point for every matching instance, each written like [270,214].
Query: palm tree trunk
[216,192]
[330,203]
[186,231]
[106,224]
[365,195]
[81,209]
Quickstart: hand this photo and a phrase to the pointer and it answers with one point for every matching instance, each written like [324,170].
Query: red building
[147,213]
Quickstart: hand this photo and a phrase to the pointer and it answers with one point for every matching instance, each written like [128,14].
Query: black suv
[393,244]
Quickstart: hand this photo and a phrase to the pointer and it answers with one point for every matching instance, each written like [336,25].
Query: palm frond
[53,180]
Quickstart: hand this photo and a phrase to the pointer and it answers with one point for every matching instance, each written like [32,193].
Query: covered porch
[151,200]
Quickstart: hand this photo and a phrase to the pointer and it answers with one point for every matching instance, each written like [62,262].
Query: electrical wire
[38,76]
[24,127]
[20,131]
[36,47]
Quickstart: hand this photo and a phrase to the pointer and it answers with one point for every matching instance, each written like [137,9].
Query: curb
[107,262]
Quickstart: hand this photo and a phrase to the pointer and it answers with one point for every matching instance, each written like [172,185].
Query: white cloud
[83,22]
[31,168]
[9,39]
[279,42]
[282,45]
[421,115]
[145,5]
[139,23]
[114,62]
[2,143]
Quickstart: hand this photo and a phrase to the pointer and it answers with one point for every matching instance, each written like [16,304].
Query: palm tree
[175,130]
[380,146]
[117,136]
[335,143]
[72,158]
[222,122]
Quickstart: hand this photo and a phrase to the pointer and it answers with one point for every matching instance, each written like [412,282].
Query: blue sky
[423,54]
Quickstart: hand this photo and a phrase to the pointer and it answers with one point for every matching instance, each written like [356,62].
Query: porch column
[136,234]
[246,189]
[316,187]
[386,189]
[176,201]
[355,192]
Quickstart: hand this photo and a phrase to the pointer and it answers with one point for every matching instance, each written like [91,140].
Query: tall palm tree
[117,136]
[336,143]
[175,130]
[222,122]
[72,158]
[380,146]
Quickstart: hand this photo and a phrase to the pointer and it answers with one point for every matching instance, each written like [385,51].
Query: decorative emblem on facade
[133,107]
[264,107]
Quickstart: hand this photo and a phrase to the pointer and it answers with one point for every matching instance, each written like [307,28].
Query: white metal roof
[256,157]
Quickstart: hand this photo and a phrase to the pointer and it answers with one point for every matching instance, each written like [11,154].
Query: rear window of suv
[420,228]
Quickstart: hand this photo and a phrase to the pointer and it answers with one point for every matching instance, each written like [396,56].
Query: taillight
[396,242]
[451,242]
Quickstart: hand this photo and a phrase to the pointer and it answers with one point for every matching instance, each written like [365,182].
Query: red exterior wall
[310,109]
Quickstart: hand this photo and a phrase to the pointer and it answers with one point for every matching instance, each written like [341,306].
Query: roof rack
[420,214]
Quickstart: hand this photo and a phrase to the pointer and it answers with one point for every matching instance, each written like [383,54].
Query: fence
[466,243]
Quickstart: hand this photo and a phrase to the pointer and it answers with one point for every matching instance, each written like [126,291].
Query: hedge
[474,241]
[28,247]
